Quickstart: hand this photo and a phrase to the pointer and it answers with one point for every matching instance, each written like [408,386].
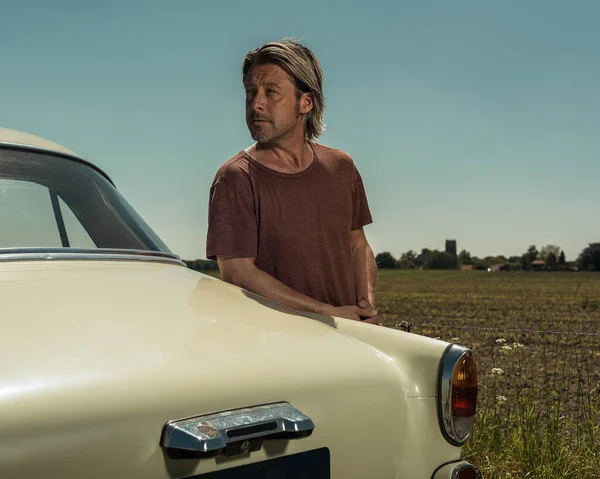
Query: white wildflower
[518,346]
[454,339]
[500,340]
[505,349]
[497,371]
[501,399]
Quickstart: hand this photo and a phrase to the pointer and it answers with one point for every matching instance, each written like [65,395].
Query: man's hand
[354,312]
[373,318]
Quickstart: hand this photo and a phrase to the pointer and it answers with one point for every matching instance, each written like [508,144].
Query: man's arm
[364,267]
[243,273]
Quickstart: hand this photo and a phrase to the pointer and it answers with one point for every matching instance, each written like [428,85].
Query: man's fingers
[366,309]
[368,312]
[373,320]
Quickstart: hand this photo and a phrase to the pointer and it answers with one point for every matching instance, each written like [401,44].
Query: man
[286,215]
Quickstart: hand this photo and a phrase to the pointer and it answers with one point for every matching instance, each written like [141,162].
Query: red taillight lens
[464,388]
[468,472]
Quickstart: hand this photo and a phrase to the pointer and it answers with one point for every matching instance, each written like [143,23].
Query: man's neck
[287,156]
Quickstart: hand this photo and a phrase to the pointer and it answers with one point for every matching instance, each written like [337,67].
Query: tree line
[552,256]
[549,257]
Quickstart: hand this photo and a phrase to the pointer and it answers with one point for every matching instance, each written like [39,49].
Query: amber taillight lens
[464,388]
[457,394]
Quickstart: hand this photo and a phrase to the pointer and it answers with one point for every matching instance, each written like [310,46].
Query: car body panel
[104,332]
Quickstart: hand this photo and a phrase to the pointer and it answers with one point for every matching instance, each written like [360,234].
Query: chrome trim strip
[73,254]
[215,432]
[450,359]
[50,151]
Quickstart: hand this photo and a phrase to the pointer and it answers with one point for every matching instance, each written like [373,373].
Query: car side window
[26,216]
[28,219]
[49,202]
[77,235]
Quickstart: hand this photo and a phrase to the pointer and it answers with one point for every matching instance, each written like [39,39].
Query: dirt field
[548,313]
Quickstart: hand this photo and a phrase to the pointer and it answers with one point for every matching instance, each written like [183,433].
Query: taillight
[457,394]
[466,472]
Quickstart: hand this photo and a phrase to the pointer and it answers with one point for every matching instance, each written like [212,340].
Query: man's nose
[258,102]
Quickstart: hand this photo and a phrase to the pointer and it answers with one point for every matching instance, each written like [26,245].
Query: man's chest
[294,208]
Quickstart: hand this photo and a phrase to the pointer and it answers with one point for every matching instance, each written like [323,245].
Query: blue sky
[469,120]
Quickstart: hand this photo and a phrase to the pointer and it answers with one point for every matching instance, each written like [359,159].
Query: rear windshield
[51,202]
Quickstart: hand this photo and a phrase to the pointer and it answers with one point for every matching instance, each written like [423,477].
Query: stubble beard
[272,136]
[276,133]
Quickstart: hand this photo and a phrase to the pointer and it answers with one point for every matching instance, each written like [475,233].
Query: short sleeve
[361,214]
[232,224]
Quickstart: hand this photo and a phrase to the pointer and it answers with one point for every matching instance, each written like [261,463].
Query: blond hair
[303,67]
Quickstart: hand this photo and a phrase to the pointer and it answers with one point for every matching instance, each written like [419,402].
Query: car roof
[14,137]
[28,140]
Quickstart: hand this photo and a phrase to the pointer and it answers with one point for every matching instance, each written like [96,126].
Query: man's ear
[306,103]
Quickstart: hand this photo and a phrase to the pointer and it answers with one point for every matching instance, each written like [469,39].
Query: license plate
[305,465]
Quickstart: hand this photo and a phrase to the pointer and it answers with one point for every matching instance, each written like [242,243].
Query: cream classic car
[118,361]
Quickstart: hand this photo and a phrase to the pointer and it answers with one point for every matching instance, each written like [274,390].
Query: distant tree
[464,257]
[404,263]
[529,257]
[562,260]
[385,260]
[422,259]
[478,263]
[490,260]
[410,255]
[551,261]
[548,251]
[514,259]
[442,260]
[589,259]
[532,253]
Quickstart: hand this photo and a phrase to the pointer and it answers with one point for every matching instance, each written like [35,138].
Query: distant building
[538,265]
[451,247]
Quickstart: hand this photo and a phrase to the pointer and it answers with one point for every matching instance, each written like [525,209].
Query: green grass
[539,401]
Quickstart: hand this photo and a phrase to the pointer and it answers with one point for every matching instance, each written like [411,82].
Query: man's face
[272,107]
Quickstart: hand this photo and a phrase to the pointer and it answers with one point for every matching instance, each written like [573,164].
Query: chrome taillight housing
[457,394]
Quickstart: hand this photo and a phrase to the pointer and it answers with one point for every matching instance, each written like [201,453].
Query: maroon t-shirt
[297,225]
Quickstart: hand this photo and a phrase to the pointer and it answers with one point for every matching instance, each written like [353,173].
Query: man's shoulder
[236,166]
[331,153]
[335,158]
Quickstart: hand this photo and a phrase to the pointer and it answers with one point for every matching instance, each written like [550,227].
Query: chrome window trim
[452,355]
[74,254]
[49,151]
